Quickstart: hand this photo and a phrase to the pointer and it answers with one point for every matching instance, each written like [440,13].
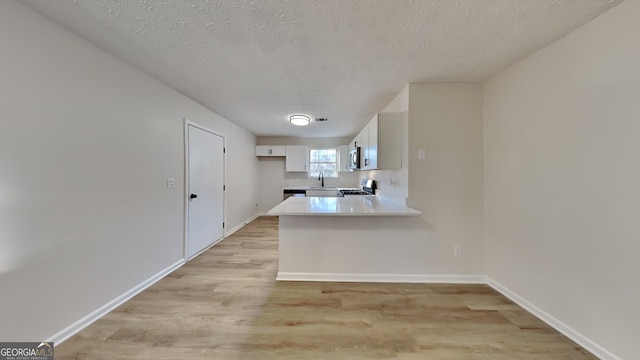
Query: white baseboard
[569,332]
[394,278]
[74,328]
[574,335]
[231,231]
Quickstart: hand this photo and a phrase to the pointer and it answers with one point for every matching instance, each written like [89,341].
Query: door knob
[193,196]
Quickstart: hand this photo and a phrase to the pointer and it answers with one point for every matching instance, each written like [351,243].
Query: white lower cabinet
[297,159]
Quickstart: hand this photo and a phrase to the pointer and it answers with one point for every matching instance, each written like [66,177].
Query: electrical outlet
[457,250]
[171,183]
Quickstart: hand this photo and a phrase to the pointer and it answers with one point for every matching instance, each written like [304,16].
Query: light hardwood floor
[225,304]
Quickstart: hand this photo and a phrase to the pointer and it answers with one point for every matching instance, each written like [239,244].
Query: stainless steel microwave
[354,159]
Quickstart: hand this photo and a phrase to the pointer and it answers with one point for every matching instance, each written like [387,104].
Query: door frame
[185,224]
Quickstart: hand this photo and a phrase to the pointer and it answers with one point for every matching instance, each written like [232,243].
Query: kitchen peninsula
[354,238]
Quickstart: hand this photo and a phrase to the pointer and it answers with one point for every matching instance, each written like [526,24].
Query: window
[323,160]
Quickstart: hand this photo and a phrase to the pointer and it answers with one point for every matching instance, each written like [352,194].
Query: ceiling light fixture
[300,120]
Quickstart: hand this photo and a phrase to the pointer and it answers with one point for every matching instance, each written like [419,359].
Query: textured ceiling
[257,61]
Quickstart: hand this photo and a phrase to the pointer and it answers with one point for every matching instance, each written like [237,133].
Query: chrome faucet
[321,177]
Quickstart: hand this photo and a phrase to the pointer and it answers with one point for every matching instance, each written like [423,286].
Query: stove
[368,187]
[354,192]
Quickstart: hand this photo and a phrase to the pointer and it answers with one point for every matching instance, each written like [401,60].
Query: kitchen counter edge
[346,206]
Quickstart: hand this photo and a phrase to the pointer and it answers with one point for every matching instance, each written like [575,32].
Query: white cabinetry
[271,150]
[357,141]
[364,148]
[381,142]
[371,160]
[343,158]
[297,158]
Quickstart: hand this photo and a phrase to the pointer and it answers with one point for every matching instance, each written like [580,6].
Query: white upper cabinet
[297,159]
[370,133]
[381,142]
[271,150]
[364,147]
[357,141]
[343,158]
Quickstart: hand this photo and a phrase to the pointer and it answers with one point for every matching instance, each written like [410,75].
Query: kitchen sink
[322,192]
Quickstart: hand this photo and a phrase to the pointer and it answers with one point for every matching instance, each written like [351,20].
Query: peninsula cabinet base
[352,247]
[383,278]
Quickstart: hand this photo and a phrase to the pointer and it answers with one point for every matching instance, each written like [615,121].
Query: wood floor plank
[226,304]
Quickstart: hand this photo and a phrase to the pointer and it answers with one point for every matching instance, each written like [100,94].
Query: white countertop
[312,188]
[359,205]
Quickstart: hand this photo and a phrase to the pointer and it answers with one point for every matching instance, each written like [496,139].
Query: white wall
[273,177]
[562,181]
[445,119]
[86,145]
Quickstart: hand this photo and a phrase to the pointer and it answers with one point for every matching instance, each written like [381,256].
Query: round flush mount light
[299,120]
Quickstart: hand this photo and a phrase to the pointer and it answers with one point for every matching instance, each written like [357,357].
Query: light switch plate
[421,154]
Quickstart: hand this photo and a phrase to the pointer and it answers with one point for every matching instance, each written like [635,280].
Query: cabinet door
[343,158]
[364,148]
[372,144]
[369,139]
[380,142]
[263,150]
[297,158]
[357,141]
[278,150]
[271,150]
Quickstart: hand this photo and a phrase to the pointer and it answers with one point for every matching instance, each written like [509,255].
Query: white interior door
[205,190]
